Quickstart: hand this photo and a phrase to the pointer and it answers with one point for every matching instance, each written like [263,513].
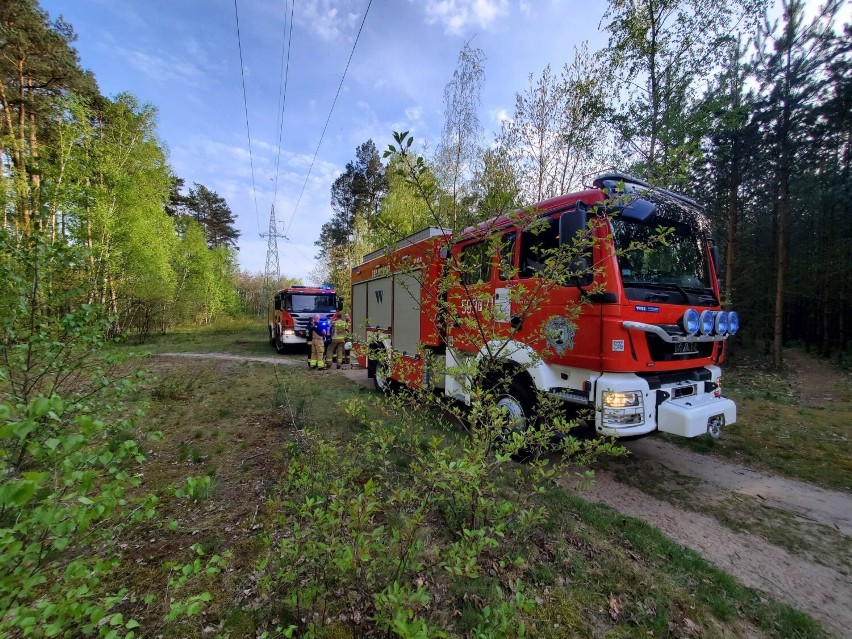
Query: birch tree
[555,136]
[459,150]
[659,51]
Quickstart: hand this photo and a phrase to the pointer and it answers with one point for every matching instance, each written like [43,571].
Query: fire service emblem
[560,334]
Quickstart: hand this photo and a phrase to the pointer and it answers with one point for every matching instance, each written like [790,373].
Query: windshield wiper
[651,296]
[703,293]
[661,286]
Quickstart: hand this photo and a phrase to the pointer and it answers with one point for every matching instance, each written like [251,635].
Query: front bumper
[293,339]
[684,408]
[688,417]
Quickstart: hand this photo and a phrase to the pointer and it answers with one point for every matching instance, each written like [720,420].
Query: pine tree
[793,71]
[37,64]
[214,215]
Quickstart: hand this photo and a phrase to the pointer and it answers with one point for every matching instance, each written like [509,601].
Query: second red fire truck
[641,348]
[290,310]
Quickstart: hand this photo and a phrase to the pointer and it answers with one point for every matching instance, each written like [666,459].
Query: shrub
[66,457]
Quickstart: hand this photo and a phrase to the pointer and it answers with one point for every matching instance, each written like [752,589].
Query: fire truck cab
[642,349]
[291,308]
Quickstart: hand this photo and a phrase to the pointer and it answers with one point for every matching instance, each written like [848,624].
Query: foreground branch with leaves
[68,458]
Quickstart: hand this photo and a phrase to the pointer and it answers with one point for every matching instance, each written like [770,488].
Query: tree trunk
[655,97]
[21,161]
[735,178]
[733,217]
[781,259]
[35,176]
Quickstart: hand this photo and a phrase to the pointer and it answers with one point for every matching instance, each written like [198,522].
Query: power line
[245,105]
[296,246]
[282,94]
[328,119]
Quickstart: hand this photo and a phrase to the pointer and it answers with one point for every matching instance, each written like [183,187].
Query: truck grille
[678,351]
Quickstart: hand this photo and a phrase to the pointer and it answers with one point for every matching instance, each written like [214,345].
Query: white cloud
[162,69]
[326,18]
[414,114]
[499,115]
[458,16]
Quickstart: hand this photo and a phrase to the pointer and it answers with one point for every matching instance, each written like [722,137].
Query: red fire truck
[641,349]
[290,310]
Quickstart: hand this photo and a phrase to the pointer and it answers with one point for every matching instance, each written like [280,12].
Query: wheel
[280,347]
[519,403]
[380,376]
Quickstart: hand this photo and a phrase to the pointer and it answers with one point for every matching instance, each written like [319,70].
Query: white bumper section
[688,416]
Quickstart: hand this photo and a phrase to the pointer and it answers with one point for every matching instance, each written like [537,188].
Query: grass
[803,439]
[741,513]
[775,430]
[241,336]
[708,588]
[591,571]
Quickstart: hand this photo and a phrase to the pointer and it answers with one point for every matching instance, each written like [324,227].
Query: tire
[519,401]
[280,347]
[381,379]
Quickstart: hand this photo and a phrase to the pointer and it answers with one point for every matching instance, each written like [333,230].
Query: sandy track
[282,361]
[822,591]
[829,507]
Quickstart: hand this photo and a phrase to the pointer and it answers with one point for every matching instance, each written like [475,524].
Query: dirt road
[692,498]
[788,538]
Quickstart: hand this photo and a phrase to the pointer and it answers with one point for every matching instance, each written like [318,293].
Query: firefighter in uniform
[318,330]
[339,336]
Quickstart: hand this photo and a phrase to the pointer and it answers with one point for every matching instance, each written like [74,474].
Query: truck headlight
[689,321]
[621,399]
[623,408]
[706,321]
[289,331]
[733,322]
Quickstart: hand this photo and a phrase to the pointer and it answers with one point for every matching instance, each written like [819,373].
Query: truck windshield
[678,263]
[304,303]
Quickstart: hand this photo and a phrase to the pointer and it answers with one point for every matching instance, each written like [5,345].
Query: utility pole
[272,274]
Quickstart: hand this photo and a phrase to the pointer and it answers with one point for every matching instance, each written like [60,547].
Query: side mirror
[572,224]
[339,303]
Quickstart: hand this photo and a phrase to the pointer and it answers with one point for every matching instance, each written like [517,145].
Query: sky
[183,57]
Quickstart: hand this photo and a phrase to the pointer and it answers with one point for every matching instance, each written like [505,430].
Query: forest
[87,175]
[102,245]
[762,141]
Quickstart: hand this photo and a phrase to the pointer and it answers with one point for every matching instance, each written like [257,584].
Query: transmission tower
[272,274]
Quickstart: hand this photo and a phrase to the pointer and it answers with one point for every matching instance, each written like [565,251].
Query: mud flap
[688,416]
